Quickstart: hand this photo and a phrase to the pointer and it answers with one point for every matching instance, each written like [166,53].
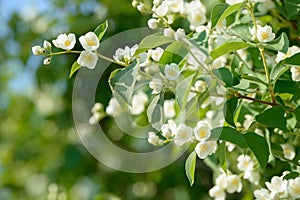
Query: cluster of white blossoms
[246,165]
[295,70]
[229,183]
[87,58]
[125,55]
[279,188]
[165,12]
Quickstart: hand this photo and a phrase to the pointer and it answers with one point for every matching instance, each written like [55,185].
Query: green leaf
[277,71]
[155,112]
[297,114]
[190,165]
[242,31]
[287,86]
[183,90]
[221,11]
[230,135]
[228,47]
[273,117]
[259,147]
[293,60]
[229,110]
[152,41]
[221,153]
[122,83]
[279,44]
[225,75]
[101,29]
[74,68]
[291,175]
[174,53]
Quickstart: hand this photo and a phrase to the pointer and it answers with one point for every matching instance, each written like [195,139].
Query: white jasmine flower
[221,181]
[138,103]
[202,131]
[162,9]
[291,51]
[295,70]
[47,45]
[234,184]
[168,130]
[64,41]
[169,108]
[265,6]
[179,34]
[156,53]
[262,194]
[232,2]
[114,109]
[176,6]
[168,32]
[154,139]
[264,34]
[205,148]
[156,85]
[47,61]
[87,59]
[277,185]
[288,151]
[37,50]
[157,2]
[294,187]
[217,193]
[152,23]
[245,163]
[126,54]
[89,41]
[183,134]
[172,71]
[196,18]
[199,86]
[252,176]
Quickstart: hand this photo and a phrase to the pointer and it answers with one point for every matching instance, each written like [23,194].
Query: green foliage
[229,110]
[221,11]
[190,165]
[230,135]
[155,112]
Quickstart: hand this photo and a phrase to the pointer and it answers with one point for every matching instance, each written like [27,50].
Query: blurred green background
[41,156]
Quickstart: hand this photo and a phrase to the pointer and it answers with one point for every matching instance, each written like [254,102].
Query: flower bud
[47,61]
[47,45]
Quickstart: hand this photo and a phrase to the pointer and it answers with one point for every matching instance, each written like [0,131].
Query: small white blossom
[162,9]
[221,181]
[264,34]
[47,61]
[245,163]
[202,131]
[89,41]
[196,18]
[205,148]
[87,59]
[98,107]
[262,194]
[47,45]
[288,151]
[252,176]
[169,108]
[114,109]
[176,6]
[154,139]
[230,146]
[126,54]
[183,134]
[64,41]
[290,52]
[295,70]
[179,34]
[234,183]
[277,185]
[294,187]
[156,85]
[168,32]
[156,53]
[138,103]
[168,130]
[232,2]
[152,23]
[37,50]
[199,86]
[248,121]
[217,193]
[172,71]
